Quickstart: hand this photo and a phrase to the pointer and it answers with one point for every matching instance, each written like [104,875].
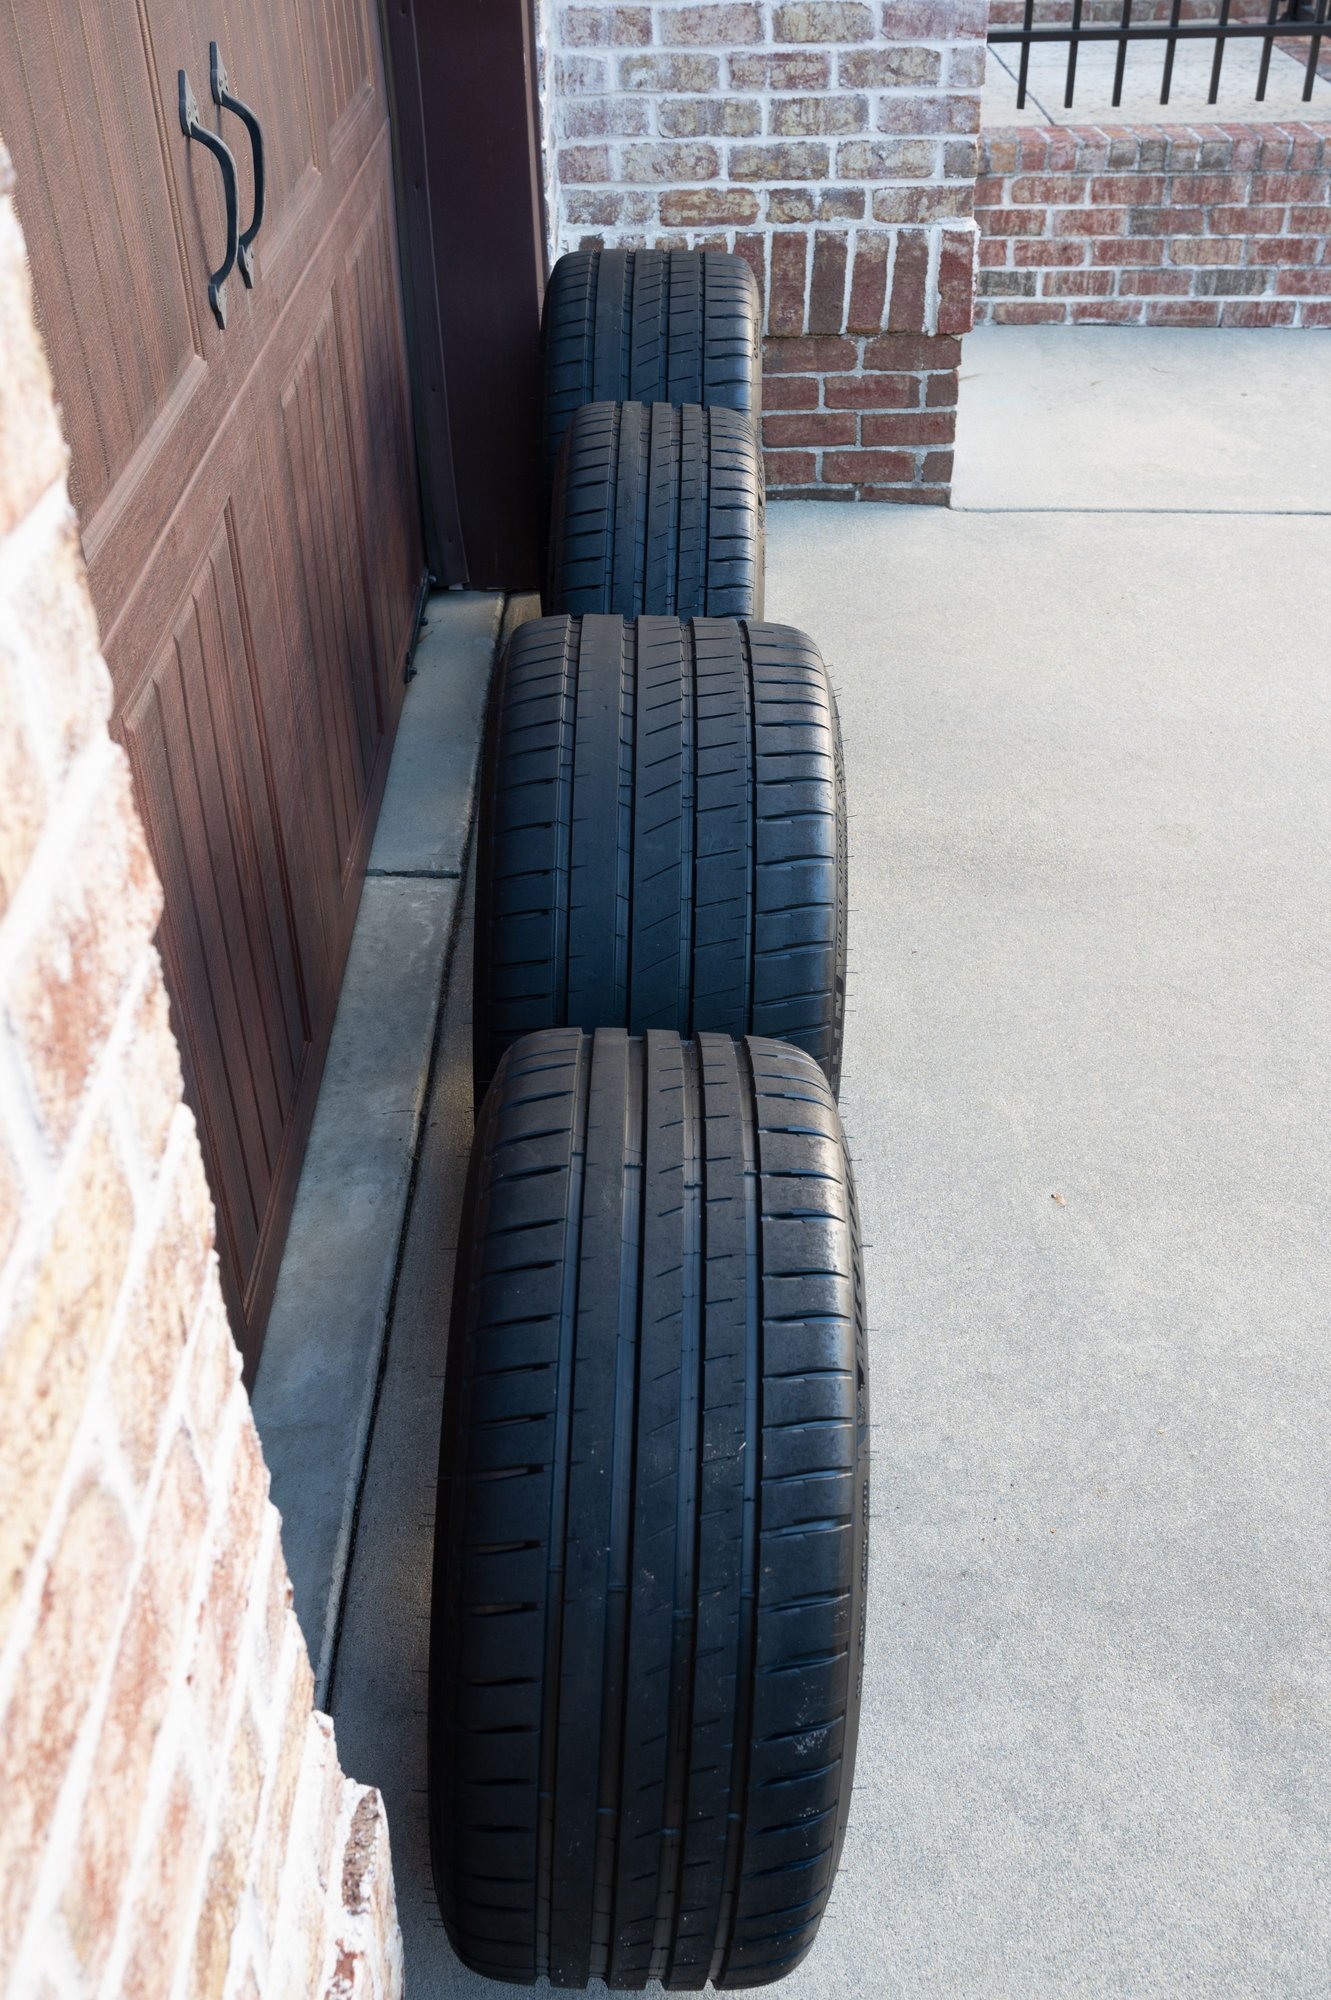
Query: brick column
[175,1818]
[833,144]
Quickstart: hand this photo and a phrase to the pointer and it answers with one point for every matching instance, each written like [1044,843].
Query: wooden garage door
[248,503]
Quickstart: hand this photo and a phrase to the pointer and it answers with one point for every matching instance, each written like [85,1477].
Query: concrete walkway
[1089,1095]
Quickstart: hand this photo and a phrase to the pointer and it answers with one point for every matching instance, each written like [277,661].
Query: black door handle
[191,127]
[222,96]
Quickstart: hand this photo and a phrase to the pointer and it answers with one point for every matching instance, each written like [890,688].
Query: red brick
[991,191]
[234,1553]
[923,204]
[941,390]
[823,21]
[588,27]
[1088,221]
[136,1706]
[786,308]
[597,117]
[1198,250]
[840,204]
[811,427]
[669,73]
[1062,252]
[887,69]
[805,117]
[161,1314]
[1026,312]
[940,114]
[816,356]
[790,392]
[1248,221]
[712,26]
[789,468]
[936,468]
[1152,284]
[880,467]
[57,1333]
[870,392]
[956,280]
[1127,190]
[1166,221]
[993,256]
[584,163]
[827,286]
[1312,312]
[788,160]
[1077,284]
[1105,312]
[1182,312]
[693,208]
[1131,250]
[911,496]
[802,71]
[910,271]
[886,159]
[671,162]
[933,20]
[68,984]
[1013,221]
[910,351]
[228,1866]
[1258,312]
[1202,190]
[1287,249]
[1303,284]
[753,249]
[909,427]
[158,1920]
[1290,187]
[790,205]
[1047,190]
[80,1606]
[868,289]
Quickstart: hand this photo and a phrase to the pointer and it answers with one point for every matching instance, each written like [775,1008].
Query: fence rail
[1292,24]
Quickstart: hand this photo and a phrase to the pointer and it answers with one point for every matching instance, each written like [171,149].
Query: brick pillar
[175,1818]
[833,144]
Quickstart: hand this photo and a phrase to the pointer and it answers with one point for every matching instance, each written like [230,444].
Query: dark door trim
[472,225]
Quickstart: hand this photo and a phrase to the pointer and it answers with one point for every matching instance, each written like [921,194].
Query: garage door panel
[375,371]
[196,744]
[322,485]
[341,34]
[95,197]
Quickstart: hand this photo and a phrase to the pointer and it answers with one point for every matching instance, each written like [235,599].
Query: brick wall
[833,144]
[1157,226]
[175,1820]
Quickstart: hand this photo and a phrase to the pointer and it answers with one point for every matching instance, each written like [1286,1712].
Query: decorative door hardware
[191,126]
[223,97]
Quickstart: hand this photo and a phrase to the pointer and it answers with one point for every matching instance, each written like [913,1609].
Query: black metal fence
[1301,20]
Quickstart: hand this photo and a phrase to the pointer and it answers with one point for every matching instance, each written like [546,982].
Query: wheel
[651,326]
[658,508]
[647,1627]
[662,836]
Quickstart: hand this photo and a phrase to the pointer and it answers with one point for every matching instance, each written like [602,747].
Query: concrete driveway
[1088,1088]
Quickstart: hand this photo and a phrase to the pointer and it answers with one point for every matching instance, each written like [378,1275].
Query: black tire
[662,836]
[650,326]
[650,1559]
[658,508]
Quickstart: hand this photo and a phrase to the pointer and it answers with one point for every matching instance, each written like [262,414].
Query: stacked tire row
[651,1549]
